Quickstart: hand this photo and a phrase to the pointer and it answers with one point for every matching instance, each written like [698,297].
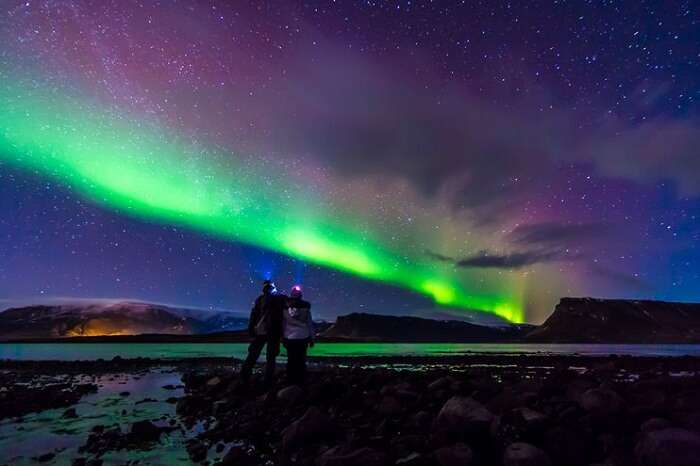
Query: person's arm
[312,333]
[254,316]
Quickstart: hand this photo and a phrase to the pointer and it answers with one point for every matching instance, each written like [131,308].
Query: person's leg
[298,361]
[303,347]
[254,350]
[273,349]
[292,356]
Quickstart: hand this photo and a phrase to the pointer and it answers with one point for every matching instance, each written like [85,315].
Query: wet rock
[422,419]
[45,458]
[69,414]
[458,454]
[668,447]
[524,454]
[213,382]
[146,400]
[412,459]
[197,451]
[313,426]
[290,395]
[601,401]
[567,446]
[655,423]
[237,456]
[442,383]
[389,406]
[363,456]
[144,431]
[462,415]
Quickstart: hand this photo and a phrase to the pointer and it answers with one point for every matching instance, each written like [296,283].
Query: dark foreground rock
[609,411]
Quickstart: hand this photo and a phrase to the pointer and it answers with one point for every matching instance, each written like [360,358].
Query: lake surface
[92,351]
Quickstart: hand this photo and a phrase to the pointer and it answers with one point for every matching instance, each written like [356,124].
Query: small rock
[124,394]
[668,447]
[290,395]
[69,414]
[213,382]
[146,400]
[524,454]
[440,384]
[237,456]
[314,425]
[655,423]
[411,459]
[422,419]
[197,451]
[145,431]
[389,406]
[363,456]
[461,415]
[45,457]
[458,454]
[601,401]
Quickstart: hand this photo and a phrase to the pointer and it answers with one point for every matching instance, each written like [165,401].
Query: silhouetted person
[298,335]
[265,328]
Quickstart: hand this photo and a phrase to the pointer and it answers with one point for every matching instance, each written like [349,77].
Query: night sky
[421,158]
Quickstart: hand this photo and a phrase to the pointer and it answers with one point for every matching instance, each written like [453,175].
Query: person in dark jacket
[298,335]
[265,328]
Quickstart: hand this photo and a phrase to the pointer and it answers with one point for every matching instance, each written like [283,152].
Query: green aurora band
[143,169]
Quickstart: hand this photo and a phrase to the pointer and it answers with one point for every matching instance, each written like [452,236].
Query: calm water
[91,351]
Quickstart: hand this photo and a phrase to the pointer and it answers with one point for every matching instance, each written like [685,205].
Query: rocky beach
[511,410]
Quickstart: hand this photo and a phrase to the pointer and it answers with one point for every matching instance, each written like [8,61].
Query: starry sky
[473,160]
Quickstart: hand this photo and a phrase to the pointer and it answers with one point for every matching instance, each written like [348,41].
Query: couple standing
[276,317]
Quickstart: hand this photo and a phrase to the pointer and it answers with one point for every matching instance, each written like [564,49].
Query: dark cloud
[514,260]
[558,233]
[438,257]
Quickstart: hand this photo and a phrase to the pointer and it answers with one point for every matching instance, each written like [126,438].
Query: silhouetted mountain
[112,318]
[588,320]
[374,327]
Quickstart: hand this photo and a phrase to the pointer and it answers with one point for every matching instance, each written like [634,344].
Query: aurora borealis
[388,157]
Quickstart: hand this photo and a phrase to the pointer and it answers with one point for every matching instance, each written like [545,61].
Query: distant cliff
[588,320]
[374,327]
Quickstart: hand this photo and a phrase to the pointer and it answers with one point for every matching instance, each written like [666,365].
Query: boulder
[69,414]
[389,406]
[601,401]
[524,454]
[412,459]
[668,447]
[442,383]
[655,423]
[312,426]
[462,415]
[290,395]
[237,456]
[363,456]
[144,431]
[213,382]
[458,454]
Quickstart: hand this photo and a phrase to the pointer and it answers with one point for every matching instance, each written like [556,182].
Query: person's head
[296,292]
[269,287]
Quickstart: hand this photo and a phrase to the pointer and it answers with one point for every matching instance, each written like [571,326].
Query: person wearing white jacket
[298,335]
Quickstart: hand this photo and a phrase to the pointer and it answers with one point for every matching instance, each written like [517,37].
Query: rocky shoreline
[512,410]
